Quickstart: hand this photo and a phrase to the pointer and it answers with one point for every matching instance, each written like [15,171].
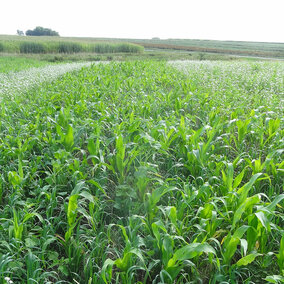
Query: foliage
[18,82]
[12,63]
[32,47]
[40,31]
[69,47]
[137,172]
[115,47]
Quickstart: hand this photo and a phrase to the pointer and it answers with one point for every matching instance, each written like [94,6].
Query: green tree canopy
[40,31]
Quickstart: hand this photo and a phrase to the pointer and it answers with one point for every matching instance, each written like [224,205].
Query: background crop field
[245,48]
[174,48]
[145,172]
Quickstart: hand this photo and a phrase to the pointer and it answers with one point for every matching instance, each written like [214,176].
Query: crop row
[139,173]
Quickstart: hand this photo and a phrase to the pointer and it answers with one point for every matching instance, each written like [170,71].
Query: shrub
[1,47]
[32,47]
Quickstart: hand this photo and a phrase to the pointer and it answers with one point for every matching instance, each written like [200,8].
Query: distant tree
[20,33]
[40,31]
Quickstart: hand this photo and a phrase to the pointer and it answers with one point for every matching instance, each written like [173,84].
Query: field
[241,48]
[144,172]
[76,48]
[212,47]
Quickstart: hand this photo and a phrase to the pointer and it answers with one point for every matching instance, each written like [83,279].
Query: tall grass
[67,47]
[32,47]
[117,48]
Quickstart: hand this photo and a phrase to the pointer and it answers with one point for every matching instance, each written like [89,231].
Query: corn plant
[142,172]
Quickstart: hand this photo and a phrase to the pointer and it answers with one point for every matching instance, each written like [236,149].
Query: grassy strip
[154,55]
[13,63]
[129,172]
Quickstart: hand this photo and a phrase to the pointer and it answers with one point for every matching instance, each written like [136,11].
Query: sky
[242,20]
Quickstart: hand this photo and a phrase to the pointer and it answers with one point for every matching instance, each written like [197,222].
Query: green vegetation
[154,47]
[40,31]
[32,47]
[17,83]
[138,172]
[242,48]
[45,45]
[160,55]
[11,63]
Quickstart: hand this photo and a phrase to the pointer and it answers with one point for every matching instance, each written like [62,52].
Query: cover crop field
[144,172]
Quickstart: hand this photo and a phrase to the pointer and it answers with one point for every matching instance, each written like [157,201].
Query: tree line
[38,31]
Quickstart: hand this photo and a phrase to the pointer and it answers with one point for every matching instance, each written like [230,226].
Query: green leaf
[263,219]
[71,211]
[244,245]
[190,251]
[231,246]
[155,228]
[247,259]
[87,196]
[230,176]
[240,231]
[249,202]
[243,191]
[68,138]
[230,249]
[273,204]
[275,279]
[281,254]
[92,147]
[120,155]
[20,168]
[107,270]
[239,179]
[93,182]
[206,212]
[158,193]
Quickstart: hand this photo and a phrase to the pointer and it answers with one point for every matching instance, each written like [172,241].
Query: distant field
[262,49]
[117,45]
